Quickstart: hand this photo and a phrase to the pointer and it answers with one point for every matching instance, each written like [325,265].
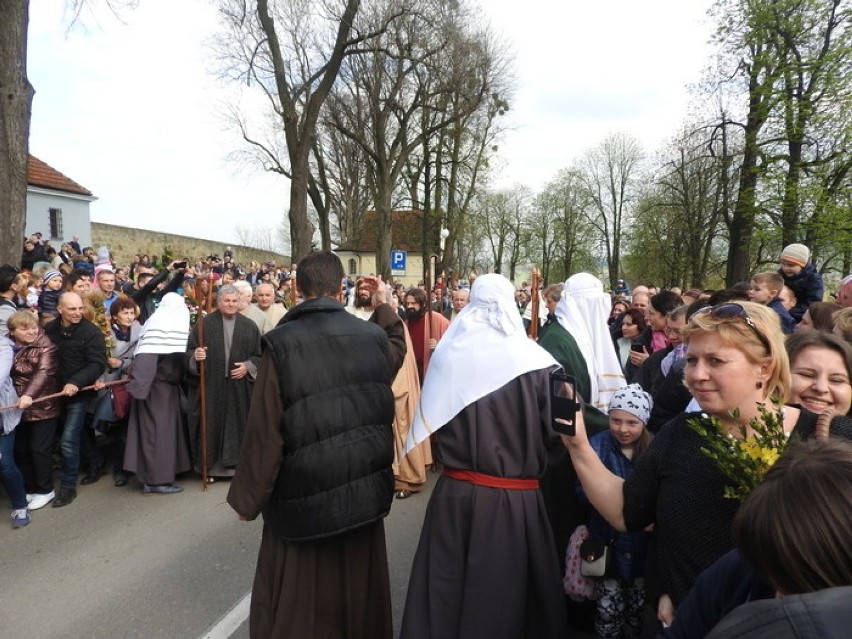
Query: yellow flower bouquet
[744,459]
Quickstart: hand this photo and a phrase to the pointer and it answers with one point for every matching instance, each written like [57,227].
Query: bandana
[632,399]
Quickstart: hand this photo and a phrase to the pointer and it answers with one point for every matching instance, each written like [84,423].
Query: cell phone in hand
[563,403]
[637,348]
[181,264]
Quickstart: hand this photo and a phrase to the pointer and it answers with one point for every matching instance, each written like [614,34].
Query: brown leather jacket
[34,374]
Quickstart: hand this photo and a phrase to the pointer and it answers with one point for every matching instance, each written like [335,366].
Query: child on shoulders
[802,277]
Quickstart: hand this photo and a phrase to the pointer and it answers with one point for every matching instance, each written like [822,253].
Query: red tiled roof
[41,174]
[406,233]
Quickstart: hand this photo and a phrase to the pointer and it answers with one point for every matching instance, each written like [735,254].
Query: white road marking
[232,620]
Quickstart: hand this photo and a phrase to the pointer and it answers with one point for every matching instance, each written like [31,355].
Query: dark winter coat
[650,375]
[807,286]
[725,585]
[82,354]
[48,301]
[788,324]
[31,258]
[34,374]
[335,376]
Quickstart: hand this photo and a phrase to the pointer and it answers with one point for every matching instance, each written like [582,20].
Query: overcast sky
[130,110]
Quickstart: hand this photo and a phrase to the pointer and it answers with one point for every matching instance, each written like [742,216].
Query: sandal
[403,494]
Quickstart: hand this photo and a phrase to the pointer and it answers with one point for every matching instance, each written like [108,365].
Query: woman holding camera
[735,361]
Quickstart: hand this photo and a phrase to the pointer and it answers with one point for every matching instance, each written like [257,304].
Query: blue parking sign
[398,259]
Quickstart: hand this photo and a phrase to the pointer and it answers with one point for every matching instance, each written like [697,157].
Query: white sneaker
[40,501]
[30,497]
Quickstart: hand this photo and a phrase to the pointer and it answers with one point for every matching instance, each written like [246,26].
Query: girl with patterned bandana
[620,594]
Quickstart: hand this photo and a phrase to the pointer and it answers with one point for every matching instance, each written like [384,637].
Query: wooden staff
[535,300]
[427,351]
[202,373]
[44,398]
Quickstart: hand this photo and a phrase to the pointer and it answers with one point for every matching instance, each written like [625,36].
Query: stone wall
[126,242]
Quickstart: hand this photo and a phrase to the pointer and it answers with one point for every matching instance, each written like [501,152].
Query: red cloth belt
[481,479]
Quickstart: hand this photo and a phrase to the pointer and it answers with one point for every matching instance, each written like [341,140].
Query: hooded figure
[487,391]
[583,311]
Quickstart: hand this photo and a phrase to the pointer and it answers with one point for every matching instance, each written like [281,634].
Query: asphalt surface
[115,563]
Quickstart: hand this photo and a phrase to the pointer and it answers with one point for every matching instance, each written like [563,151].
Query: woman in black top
[735,361]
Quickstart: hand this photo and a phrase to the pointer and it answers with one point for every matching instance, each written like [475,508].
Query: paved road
[116,563]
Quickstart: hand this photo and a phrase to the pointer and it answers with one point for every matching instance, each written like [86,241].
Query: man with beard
[409,471]
[425,328]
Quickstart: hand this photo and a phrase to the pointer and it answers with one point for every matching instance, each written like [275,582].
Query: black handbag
[595,558]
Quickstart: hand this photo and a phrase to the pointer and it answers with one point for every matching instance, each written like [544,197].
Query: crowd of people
[321,398]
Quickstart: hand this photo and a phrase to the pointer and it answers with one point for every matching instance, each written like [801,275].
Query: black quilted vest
[335,379]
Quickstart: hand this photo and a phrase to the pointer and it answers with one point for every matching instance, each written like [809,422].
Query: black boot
[94,474]
[65,497]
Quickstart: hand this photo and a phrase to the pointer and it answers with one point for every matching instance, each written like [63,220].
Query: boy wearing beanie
[801,276]
[51,284]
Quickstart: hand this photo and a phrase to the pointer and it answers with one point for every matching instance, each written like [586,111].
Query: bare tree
[492,212]
[427,72]
[262,238]
[501,217]
[609,172]
[560,228]
[462,155]
[293,52]
[341,178]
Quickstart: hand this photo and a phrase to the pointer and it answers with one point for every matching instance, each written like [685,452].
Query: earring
[759,385]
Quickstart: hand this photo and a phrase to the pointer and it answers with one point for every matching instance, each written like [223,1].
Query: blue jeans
[10,474]
[72,431]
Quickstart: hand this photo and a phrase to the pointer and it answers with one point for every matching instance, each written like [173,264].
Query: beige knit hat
[797,253]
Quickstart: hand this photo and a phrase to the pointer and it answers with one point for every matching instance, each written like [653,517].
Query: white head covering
[167,330]
[583,311]
[485,348]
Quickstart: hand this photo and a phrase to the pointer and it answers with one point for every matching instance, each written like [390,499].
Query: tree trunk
[384,235]
[301,228]
[741,227]
[16,98]
[300,120]
[790,205]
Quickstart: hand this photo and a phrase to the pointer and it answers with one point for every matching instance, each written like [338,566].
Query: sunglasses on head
[731,311]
